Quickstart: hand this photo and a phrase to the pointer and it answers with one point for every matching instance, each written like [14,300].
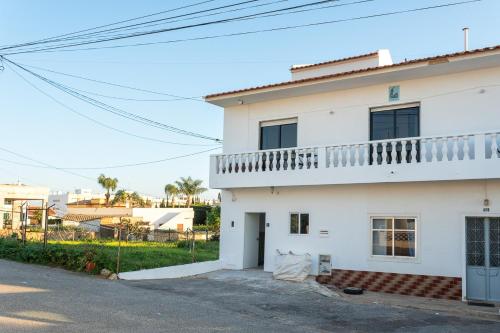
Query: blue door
[483,258]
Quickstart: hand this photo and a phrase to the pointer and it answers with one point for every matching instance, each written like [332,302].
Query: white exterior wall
[449,104]
[168,218]
[382,58]
[20,192]
[344,210]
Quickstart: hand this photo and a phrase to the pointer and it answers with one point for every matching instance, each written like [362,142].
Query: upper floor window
[278,134]
[392,123]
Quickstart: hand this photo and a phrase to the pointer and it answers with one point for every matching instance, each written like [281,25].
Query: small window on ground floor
[394,236]
[299,223]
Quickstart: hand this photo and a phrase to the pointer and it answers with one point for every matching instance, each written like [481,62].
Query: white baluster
[413,151]
[466,148]
[366,154]
[444,149]
[454,148]
[290,155]
[258,162]
[356,155]
[494,146]
[347,156]
[384,153]
[404,152]
[423,150]
[433,150]
[374,154]
[394,153]
[219,163]
[282,160]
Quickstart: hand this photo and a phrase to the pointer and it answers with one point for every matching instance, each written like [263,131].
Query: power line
[56,39]
[117,166]
[152,32]
[282,28]
[119,22]
[115,110]
[114,84]
[98,122]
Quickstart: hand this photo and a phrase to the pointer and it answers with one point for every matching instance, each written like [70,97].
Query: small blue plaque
[393,93]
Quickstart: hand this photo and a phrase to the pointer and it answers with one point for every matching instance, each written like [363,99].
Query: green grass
[134,255]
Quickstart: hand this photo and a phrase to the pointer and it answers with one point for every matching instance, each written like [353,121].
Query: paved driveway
[42,299]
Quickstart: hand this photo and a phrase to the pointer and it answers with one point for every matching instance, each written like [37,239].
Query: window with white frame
[394,236]
[299,223]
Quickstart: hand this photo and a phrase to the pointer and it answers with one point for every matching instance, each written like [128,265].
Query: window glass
[304,223]
[382,243]
[404,243]
[382,125]
[392,124]
[394,236]
[294,223]
[270,137]
[288,136]
[405,224]
[382,223]
[406,122]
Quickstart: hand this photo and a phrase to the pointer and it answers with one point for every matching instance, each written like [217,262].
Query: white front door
[251,240]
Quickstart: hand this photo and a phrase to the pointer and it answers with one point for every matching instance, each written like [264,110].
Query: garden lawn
[134,255]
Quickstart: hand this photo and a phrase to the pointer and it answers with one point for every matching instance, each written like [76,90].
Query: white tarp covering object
[292,267]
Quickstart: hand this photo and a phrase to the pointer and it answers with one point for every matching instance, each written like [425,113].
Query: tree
[109,184]
[133,199]
[171,190]
[213,219]
[162,204]
[190,187]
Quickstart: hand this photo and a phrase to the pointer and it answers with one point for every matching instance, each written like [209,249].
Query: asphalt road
[42,299]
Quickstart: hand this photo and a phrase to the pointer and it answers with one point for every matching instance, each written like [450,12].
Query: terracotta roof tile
[300,67]
[364,70]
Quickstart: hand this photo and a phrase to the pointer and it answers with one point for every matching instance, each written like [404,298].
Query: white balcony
[449,157]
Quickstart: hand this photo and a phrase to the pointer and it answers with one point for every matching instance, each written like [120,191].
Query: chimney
[466,39]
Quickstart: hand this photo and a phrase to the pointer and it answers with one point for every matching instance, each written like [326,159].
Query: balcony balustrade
[449,157]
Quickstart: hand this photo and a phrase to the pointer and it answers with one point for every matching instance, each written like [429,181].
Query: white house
[391,169]
[13,197]
[179,219]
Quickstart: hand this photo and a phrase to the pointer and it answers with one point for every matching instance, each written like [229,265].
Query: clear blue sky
[37,127]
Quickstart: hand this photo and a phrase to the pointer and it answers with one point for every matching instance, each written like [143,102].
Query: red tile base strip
[405,284]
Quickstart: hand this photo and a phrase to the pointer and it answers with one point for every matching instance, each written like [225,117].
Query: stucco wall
[450,104]
[167,217]
[344,211]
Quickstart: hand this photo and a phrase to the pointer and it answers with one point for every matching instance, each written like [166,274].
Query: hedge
[70,258]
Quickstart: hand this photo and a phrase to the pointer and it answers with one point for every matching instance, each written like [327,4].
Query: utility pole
[46,226]
[23,217]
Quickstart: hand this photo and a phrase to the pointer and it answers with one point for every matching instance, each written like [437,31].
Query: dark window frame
[394,108]
[261,132]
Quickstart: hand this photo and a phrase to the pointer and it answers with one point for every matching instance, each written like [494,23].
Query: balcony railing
[332,162]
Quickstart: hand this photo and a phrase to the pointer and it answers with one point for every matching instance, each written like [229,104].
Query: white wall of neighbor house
[345,210]
[166,218]
[465,102]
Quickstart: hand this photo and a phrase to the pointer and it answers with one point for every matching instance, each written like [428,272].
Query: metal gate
[483,258]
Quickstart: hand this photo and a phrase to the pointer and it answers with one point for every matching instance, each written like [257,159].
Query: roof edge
[215,96]
[296,68]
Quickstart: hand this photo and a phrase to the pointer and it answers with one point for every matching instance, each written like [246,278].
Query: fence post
[206,235]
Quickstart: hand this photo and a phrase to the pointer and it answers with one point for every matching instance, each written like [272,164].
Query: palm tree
[109,184]
[171,190]
[190,187]
[133,199]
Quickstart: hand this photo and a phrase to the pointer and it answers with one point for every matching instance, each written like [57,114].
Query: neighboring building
[392,170]
[62,199]
[179,219]
[13,196]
